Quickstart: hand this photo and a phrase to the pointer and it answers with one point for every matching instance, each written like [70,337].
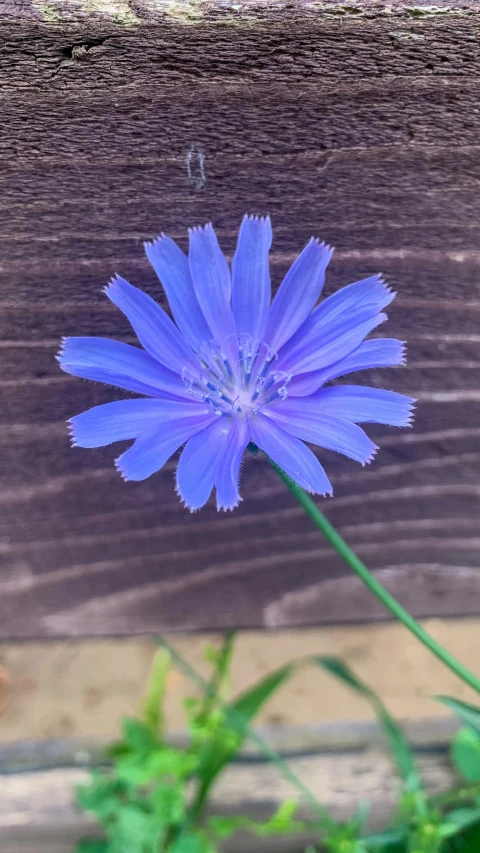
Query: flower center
[239,384]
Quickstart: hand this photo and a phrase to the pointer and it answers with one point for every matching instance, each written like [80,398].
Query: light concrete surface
[62,689]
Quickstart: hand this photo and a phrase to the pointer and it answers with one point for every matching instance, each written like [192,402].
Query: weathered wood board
[357,123]
[342,766]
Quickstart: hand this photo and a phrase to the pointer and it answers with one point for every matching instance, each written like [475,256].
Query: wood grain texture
[342,766]
[132,119]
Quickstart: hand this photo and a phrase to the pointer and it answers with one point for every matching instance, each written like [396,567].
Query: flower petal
[151,450]
[329,343]
[196,468]
[369,292]
[380,352]
[211,280]
[172,267]
[126,419]
[297,294]
[154,329]
[119,364]
[291,454]
[360,404]
[303,420]
[365,298]
[251,289]
[228,465]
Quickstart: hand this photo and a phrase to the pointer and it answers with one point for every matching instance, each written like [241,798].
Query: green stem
[323,817]
[217,683]
[373,584]
[216,688]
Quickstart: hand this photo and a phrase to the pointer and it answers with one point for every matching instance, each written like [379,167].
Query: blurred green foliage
[152,797]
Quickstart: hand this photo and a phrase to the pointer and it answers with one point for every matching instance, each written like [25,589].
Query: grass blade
[398,743]
[467,713]
[153,699]
[323,817]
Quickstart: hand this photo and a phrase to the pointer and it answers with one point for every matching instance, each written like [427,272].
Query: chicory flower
[237,368]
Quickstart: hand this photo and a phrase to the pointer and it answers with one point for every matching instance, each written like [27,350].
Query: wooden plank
[122,120]
[342,765]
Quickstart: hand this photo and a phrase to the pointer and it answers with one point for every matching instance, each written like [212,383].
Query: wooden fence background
[358,123]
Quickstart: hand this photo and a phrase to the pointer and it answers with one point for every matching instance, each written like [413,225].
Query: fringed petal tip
[320,494]
[116,284]
[324,247]
[410,410]
[200,229]
[112,284]
[410,413]
[389,293]
[147,244]
[155,243]
[72,432]
[67,360]
[184,504]
[327,494]
[399,358]
[255,217]
[402,357]
[193,509]
[120,470]
[208,227]
[62,353]
[371,457]
[229,508]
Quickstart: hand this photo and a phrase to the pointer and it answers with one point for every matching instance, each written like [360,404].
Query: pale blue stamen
[246,391]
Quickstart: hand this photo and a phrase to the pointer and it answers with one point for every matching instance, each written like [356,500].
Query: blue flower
[236,368]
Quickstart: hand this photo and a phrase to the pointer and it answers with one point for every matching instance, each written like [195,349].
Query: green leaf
[194,842]
[230,730]
[169,801]
[390,841]
[249,703]
[224,745]
[211,654]
[359,819]
[118,749]
[160,762]
[465,752]
[197,804]
[153,699]
[399,745]
[459,819]
[138,736]
[281,823]
[284,815]
[468,714]
[102,796]
[344,840]
[137,831]
[466,840]
[91,845]
[221,660]
[204,714]
[224,827]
